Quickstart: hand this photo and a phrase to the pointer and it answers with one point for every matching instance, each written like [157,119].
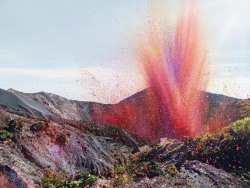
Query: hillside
[135,113]
[50,141]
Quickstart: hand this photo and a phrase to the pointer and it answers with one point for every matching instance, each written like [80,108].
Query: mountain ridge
[47,105]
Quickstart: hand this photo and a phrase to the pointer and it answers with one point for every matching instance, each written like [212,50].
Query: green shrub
[86,180]
[139,165]
[53,179]
[122,175]
[4,135]
[12,127]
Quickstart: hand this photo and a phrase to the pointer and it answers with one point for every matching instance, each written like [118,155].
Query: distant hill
[134,113]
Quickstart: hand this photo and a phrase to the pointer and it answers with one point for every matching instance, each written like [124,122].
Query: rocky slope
[192,163]
[192,174]
[49,141]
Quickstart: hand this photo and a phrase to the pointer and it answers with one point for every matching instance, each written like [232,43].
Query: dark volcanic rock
[12,177]
[17,169]
[202,175]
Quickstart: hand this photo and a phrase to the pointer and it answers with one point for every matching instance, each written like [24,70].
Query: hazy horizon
[82,49]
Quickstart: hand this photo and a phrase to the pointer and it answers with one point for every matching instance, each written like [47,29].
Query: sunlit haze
[84,49]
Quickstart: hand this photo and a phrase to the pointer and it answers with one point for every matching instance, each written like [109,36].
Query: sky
[83,49]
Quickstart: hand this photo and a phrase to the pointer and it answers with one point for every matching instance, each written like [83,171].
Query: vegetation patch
[53,179]
[7,133]
[139,165]
[122,175]
[227,149]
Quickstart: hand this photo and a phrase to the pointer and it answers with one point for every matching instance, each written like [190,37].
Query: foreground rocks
[191,163]
[68,149]
[17,170]
[202,175]
[192,174]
